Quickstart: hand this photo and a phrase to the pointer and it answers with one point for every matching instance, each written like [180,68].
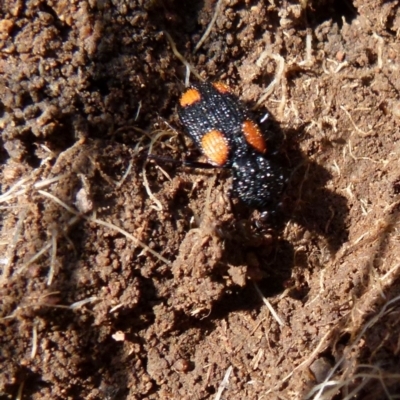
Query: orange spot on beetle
[215,147]
[221,87]
[190,97]
[254,136]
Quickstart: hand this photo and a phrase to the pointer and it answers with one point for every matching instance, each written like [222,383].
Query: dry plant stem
[278,75]
[81,303]
[165,173]
[47,246]
[126,174]
[53,257]
[269,306]
[209,27]
[187,76]
[362,307]
[379,375]
[73,306]
[370,236]
[20,391]
[224,383]
[115,308]
[385,309]
[180,57]
[380,49]
[131,237]
[15,191]
[282,104]
[106,224]
[331,388]
[34,341]
[249,335]
[305,363]
[309,60]
[138,110]
[12,189]
[158,206]
[209,372]
[11,194]
[350,147]
[362,133]
[35,257]
[12,246]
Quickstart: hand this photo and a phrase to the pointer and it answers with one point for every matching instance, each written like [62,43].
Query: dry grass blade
[277,318]
[81,303]
[131,237]
[34,341]
[11,193]
[106,224]
[53,258]
[223,385]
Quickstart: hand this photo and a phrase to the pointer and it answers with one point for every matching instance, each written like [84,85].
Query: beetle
[224,130]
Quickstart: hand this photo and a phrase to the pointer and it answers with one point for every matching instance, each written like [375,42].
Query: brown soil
[112,291]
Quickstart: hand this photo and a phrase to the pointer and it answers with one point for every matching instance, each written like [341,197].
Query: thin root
[210,26]
[180,57]
[278,75]
[362,133]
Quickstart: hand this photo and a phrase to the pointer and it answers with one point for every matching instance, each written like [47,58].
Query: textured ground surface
[112,291]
